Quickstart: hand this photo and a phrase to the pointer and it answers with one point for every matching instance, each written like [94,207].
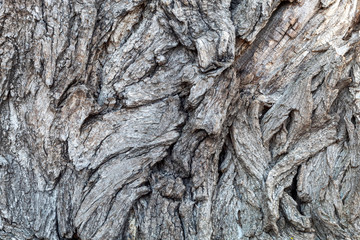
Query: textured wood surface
[179,119]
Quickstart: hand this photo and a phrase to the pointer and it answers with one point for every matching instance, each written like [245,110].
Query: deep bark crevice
[179,119]
[293,191]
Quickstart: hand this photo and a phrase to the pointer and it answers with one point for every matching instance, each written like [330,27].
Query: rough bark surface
[179,119]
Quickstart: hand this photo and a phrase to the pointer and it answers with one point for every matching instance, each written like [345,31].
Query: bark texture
[179,119]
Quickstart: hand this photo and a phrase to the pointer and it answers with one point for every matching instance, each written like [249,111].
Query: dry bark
[179,119]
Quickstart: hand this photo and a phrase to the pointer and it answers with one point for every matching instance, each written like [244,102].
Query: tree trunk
[179,119]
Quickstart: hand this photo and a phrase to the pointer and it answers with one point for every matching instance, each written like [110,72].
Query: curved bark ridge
[179,119]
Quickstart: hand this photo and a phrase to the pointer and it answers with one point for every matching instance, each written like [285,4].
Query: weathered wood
[175,119]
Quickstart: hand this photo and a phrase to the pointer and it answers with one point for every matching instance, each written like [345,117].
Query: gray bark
[179,119]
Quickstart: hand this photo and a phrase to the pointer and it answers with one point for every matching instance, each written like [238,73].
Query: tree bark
[179,119]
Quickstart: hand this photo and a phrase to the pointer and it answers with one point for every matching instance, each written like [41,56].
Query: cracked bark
[174,119]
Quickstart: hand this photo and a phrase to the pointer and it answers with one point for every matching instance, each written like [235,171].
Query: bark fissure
[175,119]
